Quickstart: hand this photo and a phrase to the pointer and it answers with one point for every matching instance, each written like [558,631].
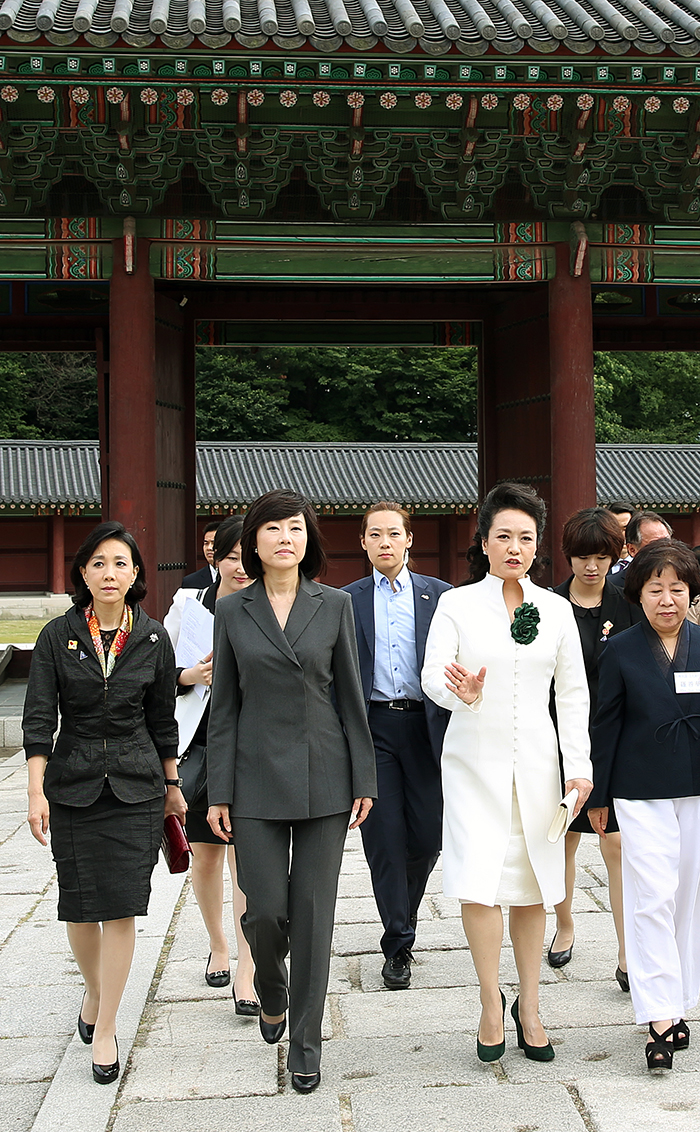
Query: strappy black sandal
[681,1035]
[659,1052]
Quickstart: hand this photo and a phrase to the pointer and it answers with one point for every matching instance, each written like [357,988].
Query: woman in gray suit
[290,761]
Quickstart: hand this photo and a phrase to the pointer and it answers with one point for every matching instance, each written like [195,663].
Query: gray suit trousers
[290,910]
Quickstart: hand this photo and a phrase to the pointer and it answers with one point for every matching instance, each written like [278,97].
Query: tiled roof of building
[472,26]
[34,472]
[61,472]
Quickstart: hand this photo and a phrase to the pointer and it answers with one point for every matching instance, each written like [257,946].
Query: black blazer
[623,615]
[199,580]
[646,736]
[277,747]
[120,728]
[426,591]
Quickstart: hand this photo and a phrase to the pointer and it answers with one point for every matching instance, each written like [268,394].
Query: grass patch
[22,632]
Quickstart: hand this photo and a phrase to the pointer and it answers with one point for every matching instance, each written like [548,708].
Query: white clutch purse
[563,816]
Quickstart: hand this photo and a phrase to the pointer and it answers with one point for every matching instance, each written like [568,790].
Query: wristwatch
[174,782]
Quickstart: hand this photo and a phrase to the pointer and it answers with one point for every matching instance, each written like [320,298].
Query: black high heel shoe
[216,978]
[105,1074]
[493,1053]
[659,1052]
[558,959]
[623,979]
[306,1082]
[681,1035]
[534,1053]
[86,1030]
[248,1007]
[272,1031]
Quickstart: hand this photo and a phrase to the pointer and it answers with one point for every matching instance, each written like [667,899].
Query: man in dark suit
[644,527]
[402,836]
[208,574]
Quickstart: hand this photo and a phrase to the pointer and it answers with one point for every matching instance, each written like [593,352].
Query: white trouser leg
[688,900]
[660,879]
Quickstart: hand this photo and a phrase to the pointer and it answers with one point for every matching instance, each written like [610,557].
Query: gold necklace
[574,599]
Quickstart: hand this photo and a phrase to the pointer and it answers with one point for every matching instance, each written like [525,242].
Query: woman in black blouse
[591,541]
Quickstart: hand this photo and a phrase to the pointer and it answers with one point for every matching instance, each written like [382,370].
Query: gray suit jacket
[277,748]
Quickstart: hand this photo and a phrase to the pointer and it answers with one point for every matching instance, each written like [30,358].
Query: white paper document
[196,638]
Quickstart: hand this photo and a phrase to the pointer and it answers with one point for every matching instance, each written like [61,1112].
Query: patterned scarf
[120,638]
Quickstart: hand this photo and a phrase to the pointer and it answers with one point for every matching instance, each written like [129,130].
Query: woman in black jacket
[591,540]
[110,672]
[646,758]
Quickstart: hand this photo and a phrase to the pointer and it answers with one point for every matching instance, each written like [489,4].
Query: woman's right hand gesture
[465,685]
[38,816]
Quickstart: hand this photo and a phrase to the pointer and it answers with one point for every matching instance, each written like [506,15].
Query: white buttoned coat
[507,737]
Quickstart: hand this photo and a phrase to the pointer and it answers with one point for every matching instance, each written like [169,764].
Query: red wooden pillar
[132,405]
[696,529]
[572,399]
[448,548]
[58,555]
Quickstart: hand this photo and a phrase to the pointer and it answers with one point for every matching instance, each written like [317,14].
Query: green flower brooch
[525,621]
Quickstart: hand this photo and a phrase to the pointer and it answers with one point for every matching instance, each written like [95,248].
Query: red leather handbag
[175,846]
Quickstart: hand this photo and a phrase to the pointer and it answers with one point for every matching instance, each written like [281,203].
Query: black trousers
[290,909]
[402,834]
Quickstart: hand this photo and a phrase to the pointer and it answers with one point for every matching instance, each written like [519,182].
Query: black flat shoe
[659,1051]
[559,958]
[396,971]
[534,1053]
[105,1074]
[272,1031]
[623,979]
[493,1053]
[85,1029]
[216,978]
[246,1006]
[306,1082]
[681,1035]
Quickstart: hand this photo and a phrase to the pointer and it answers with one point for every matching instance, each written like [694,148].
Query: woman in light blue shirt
[402,835]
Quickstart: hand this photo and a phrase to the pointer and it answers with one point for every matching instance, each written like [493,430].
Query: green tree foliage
[48,396]
[336,394]
[647,398]
[348,394]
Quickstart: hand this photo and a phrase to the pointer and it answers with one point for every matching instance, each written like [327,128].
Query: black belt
[399,705]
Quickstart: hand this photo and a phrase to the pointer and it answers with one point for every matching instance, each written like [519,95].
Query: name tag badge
[687,681]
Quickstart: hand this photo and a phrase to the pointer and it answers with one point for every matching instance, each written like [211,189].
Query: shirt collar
[402,579]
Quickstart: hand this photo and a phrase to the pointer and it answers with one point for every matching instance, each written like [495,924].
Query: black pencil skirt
[105,854]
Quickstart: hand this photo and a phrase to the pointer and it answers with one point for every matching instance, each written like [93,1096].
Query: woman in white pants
[646,757]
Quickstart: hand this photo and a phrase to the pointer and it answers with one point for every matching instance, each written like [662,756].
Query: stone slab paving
[390,1061]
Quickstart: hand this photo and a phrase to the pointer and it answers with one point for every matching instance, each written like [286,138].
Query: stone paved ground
[391,1060]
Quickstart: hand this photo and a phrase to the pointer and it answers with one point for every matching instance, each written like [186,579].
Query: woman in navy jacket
[646,758]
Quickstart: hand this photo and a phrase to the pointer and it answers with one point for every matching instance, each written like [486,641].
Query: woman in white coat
[192,714]
[493,649]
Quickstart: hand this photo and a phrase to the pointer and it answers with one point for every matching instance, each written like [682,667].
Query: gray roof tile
[421,475]
[473,25]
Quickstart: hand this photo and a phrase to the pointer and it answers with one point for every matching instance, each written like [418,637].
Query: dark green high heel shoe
[493,1053]
[534,1053]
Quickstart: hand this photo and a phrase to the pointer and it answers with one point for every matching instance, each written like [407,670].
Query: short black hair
[213,525]
[282,503]
[506,496]
[98,535]
[228,534]
[654,558]
[592,530]
[621,507]
[633,533]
